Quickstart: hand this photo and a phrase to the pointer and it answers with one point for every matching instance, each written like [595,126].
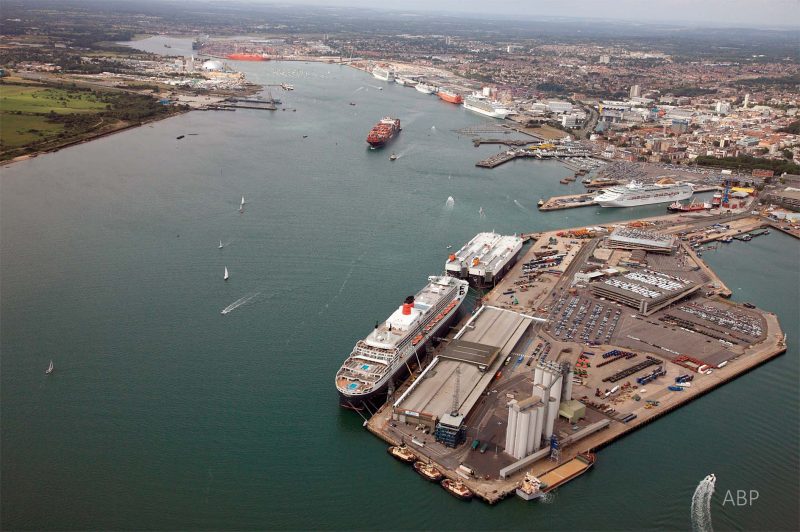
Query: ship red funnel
[408,304]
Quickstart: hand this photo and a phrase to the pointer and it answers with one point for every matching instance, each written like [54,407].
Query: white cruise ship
[485,258]
[479,104]
[383,73]
[635,194]
[385,354]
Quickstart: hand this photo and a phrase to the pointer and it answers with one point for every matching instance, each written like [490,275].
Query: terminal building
[645,290]
[651,241]
[450,387]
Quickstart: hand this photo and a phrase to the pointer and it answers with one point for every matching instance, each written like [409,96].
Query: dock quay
[508,142]
[570,201]
[564,357]
[503,157]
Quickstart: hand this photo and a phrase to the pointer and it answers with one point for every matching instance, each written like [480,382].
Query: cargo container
[675,388]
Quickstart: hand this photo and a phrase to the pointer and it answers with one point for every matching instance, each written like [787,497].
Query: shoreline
[89,138]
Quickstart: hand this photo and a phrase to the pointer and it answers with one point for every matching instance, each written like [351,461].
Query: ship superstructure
[634,194]
[383,74]
[383,356]
[479,104]
[484,259]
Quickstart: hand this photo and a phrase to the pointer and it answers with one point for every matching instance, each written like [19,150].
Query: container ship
[383,356]
[479,104]
[383,74]
[691,207]
[484,259]
[383,131]
[634,194]
[450,96]
[247,57]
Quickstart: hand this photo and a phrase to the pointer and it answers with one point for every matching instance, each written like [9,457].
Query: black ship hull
[492,280]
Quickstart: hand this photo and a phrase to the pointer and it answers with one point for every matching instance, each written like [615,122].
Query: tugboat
[402,453]
[458,489]
[393,157]
[541,202]
[428,471]
[529,489]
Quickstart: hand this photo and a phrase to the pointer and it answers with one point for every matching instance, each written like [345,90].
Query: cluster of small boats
[430,473]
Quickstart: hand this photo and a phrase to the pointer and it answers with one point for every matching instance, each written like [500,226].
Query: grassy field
[19,130]
[42,100]
[36,116]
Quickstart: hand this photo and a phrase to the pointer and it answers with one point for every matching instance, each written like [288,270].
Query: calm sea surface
[163,414]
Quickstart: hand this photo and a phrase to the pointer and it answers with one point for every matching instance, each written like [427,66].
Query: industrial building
[645,290]
[531,421]
[628,238]
[449,388]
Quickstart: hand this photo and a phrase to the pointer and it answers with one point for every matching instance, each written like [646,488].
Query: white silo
[566,394]
[555,388]
[531,436]
[537,438]
[511,426]
[537,375]
[547,378]
[521,440]
[552,414]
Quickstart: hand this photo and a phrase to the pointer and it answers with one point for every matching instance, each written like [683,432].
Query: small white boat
[225,276]
[49,369]
[393,157]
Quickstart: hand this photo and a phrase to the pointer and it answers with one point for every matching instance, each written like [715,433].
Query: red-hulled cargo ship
[383,131]
[450,96]
[247,57]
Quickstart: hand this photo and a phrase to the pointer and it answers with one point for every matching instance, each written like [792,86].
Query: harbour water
[164,414]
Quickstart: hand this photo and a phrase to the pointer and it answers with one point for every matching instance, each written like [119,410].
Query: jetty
[570,201]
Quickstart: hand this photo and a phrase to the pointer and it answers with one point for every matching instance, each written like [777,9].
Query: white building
[636,91]
[723,108]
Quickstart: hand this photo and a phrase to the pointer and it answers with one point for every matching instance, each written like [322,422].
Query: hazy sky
[698,12]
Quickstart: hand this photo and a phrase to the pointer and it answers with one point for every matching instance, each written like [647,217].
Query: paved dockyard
[702,328]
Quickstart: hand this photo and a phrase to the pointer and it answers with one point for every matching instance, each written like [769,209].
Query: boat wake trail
[547,498]
[239,302]
[701,505]
[359,89]
[521,206]
[347,277]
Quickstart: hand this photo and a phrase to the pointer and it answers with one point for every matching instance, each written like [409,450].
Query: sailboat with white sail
[221,245]
[49,369]
[225,275]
